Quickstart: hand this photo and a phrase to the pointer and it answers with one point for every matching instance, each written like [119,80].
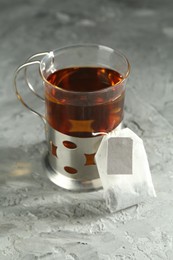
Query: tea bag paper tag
[119,150]
[119,155]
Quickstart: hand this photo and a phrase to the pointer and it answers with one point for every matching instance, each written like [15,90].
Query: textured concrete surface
[37,219]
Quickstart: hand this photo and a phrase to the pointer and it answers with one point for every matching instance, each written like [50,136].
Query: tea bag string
[118,127]
[99,133]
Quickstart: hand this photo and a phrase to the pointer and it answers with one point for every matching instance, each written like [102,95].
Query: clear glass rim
[86,45]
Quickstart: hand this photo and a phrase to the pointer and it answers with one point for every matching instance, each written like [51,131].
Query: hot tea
[84,91]
[83,119]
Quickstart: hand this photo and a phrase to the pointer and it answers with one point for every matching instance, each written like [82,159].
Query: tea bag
[124,170]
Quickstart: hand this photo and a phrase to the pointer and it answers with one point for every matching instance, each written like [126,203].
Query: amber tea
[84,91]
[83,119]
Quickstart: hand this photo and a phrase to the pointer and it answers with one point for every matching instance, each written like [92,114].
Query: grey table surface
[38,220]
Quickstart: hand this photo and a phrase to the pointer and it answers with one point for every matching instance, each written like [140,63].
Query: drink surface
[84,119]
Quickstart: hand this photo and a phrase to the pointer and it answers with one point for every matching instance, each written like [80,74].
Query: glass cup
[84,91]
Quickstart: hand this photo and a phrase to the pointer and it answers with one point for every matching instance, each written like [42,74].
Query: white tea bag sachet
[124,170]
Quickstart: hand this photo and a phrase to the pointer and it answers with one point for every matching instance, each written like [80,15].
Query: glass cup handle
[29,62]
